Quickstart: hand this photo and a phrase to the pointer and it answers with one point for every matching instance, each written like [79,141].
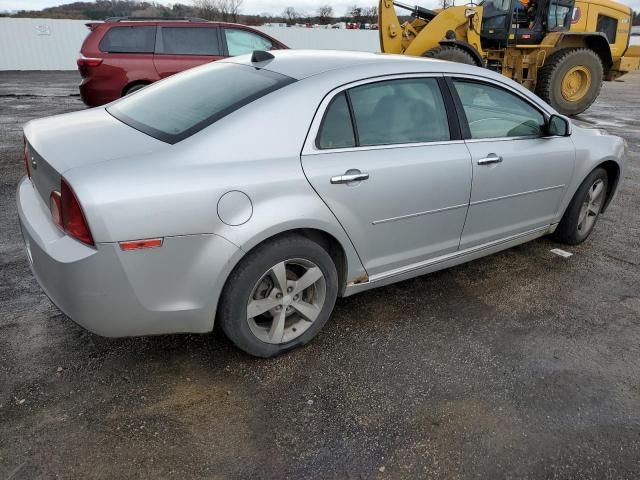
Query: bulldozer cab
[511,22]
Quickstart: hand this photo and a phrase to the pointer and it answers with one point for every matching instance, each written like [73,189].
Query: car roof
[301,64]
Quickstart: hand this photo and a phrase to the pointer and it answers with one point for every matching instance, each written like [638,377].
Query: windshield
[178,107]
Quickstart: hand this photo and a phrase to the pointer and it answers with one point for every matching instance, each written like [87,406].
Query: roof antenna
[261,56]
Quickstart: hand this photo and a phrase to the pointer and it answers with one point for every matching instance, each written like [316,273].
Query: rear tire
[285,318]
[570,80]
[582,213]
[450,53]
[134,88]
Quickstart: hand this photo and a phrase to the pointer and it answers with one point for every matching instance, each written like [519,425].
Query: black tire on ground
[550,76]
[135,88]
[232,313]
[568,230]
[451,53]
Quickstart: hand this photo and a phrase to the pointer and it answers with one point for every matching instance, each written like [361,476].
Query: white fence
[44,44]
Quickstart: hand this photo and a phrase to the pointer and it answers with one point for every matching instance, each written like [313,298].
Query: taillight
[55,205]
[67,214]
[25,154]
[89,62]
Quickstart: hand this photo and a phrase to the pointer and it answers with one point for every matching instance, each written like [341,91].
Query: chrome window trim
[310,147]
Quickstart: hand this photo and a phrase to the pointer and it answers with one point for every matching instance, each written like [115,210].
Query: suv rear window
[129,40]
[190,41]
[178,107]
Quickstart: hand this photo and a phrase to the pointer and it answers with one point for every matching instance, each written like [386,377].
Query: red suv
[122,55]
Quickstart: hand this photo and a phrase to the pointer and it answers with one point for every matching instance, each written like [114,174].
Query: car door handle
[350,176]
[489,159]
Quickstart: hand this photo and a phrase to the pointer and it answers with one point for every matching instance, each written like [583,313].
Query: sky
[257,6]
[248,6]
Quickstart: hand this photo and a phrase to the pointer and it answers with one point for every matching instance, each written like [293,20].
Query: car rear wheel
[279,297]
[582,213]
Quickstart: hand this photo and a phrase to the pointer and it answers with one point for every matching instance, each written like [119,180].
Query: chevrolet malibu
[256,190]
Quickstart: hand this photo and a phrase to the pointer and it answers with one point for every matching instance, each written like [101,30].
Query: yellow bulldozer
[560,49]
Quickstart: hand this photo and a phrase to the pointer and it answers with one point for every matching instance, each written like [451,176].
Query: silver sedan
[256,190]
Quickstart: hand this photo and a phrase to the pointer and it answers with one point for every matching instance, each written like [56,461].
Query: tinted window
[187,102]
[558,16]
[608,26]
[190,41]
[495,113]
[336,130]
[129,40]
[240,42]
[399,111]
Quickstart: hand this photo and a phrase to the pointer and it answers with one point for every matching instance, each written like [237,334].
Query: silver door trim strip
[451,256]
[538,190]
[418,214]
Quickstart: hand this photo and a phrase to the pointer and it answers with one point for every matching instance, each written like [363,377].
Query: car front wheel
[279,297]
[583,211]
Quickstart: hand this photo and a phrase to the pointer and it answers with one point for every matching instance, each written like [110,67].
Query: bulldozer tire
[451,53]
[570,80]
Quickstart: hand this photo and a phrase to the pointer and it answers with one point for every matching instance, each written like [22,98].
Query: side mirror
[558,126]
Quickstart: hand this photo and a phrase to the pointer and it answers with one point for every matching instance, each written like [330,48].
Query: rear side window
[495,113]
[336,130]
[240,42]
[129,40]
[186,103]
[399,111]
[608,26]
[190,41]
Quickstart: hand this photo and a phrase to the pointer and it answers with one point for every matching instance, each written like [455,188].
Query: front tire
[582,213]
[570,80]
[279,296]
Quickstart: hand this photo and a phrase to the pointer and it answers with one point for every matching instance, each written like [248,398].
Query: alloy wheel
[286,300]
[591,207]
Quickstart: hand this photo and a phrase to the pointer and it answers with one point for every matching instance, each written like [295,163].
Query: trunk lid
[58,144]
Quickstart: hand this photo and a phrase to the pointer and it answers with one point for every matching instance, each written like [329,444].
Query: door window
[493,112]
[336,130]
[608,26]
[190,41]
[399,111]
[129,40]
[240,42]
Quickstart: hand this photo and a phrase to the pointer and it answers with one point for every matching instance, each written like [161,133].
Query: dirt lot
[519,365]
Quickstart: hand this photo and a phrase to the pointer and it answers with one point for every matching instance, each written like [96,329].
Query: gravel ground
[519,365]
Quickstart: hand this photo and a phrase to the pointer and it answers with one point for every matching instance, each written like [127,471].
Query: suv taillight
[89,62]
[66,212]
[25,154]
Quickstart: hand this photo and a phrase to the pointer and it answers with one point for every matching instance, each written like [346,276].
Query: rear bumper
[171,289]
[95,92]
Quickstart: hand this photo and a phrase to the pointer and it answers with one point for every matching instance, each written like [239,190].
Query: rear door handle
[489,159]
[350,176]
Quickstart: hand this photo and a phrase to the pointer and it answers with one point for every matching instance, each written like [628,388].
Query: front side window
[558,17]
[495,113]
[186,103]
[240,42]
[608,26]
[399,111]
[190,41]
[129,40]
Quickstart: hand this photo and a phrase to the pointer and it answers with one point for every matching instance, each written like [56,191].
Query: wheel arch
[597,42]
[132,84]
[613,173]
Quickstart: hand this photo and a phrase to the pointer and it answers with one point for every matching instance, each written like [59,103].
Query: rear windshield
[178,107]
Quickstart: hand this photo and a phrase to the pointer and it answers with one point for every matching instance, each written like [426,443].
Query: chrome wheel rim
[286,301]
[591,207]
